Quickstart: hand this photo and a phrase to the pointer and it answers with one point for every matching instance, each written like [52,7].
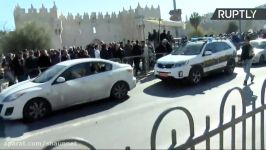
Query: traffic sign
[175,15]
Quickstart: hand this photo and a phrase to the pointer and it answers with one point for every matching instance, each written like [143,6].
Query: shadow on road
[17,128]
[248,95]
[146,78]
[176,88]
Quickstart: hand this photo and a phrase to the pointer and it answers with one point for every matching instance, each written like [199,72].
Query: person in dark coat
[32,65]
[163,36]
[55,57]
[65,56]
[44,61]
[137,51]
[18,64]
[118,52]
[246,56]
[128,53]
[84,54]
[90,49]
[105,53]
[162,49]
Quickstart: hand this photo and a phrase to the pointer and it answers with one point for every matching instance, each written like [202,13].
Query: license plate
[162,74]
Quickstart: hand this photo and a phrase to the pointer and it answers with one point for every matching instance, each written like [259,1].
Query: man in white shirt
[97,52]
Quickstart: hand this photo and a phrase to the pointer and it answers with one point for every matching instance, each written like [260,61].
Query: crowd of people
[27,64]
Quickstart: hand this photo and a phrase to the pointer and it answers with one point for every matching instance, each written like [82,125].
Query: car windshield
[256,44]
[48,74]
[188,49]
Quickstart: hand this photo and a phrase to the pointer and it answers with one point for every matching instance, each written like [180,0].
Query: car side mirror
[60,80]
[207,53]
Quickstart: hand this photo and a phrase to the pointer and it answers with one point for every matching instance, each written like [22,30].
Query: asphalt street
[109,124]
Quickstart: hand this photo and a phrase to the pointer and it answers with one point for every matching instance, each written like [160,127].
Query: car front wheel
[119,91]
[36,109]
[195,76]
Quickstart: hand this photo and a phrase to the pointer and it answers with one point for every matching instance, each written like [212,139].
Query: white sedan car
[66,84]
[259,48]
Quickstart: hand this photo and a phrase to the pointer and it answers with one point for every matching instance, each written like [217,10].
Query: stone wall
[80,30]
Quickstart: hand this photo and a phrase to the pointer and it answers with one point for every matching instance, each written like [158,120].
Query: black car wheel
[119,90]
[36,109]
[230,67]
[195,75]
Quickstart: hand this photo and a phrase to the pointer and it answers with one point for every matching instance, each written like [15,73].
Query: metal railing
[192,141]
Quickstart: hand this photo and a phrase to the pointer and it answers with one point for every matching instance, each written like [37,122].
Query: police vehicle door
[224,53]
[210,61]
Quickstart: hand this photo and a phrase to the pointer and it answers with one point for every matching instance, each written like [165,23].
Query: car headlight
[180,64]
[13,97]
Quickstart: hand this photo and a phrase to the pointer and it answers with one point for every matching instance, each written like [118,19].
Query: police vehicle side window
[211,47]
[221,46]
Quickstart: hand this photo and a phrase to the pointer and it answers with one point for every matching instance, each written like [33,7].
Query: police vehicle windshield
[189,49]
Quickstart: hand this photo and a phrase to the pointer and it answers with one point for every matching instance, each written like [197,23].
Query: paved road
[117,124]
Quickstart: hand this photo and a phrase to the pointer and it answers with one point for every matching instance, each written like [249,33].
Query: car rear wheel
[36,109]
[119,90]
[230,67]
[262,59]
[195,75]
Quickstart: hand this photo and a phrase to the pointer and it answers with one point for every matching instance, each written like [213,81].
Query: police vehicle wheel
[195,75]
[230,67]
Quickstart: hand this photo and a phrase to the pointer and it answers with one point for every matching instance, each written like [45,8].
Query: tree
[195,20]
[197,33]
[29,36]
[2,35]
[232,27]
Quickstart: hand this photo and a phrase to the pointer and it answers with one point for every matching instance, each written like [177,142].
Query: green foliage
[2,35]
[232,27]
[29,36]
[195,20]
[197,33]
[211,32]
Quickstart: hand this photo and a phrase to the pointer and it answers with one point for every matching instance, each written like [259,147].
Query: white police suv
[196,59]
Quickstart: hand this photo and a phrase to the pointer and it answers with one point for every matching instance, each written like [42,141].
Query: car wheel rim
[120,91]
[196,77]
[37,110]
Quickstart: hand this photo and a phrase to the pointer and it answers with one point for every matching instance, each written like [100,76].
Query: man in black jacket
[246,56]
[44,61]
[18,64]
[136,51]
[32,65]
[105,53]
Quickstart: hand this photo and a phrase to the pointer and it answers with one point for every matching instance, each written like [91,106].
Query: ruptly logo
[239,14]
